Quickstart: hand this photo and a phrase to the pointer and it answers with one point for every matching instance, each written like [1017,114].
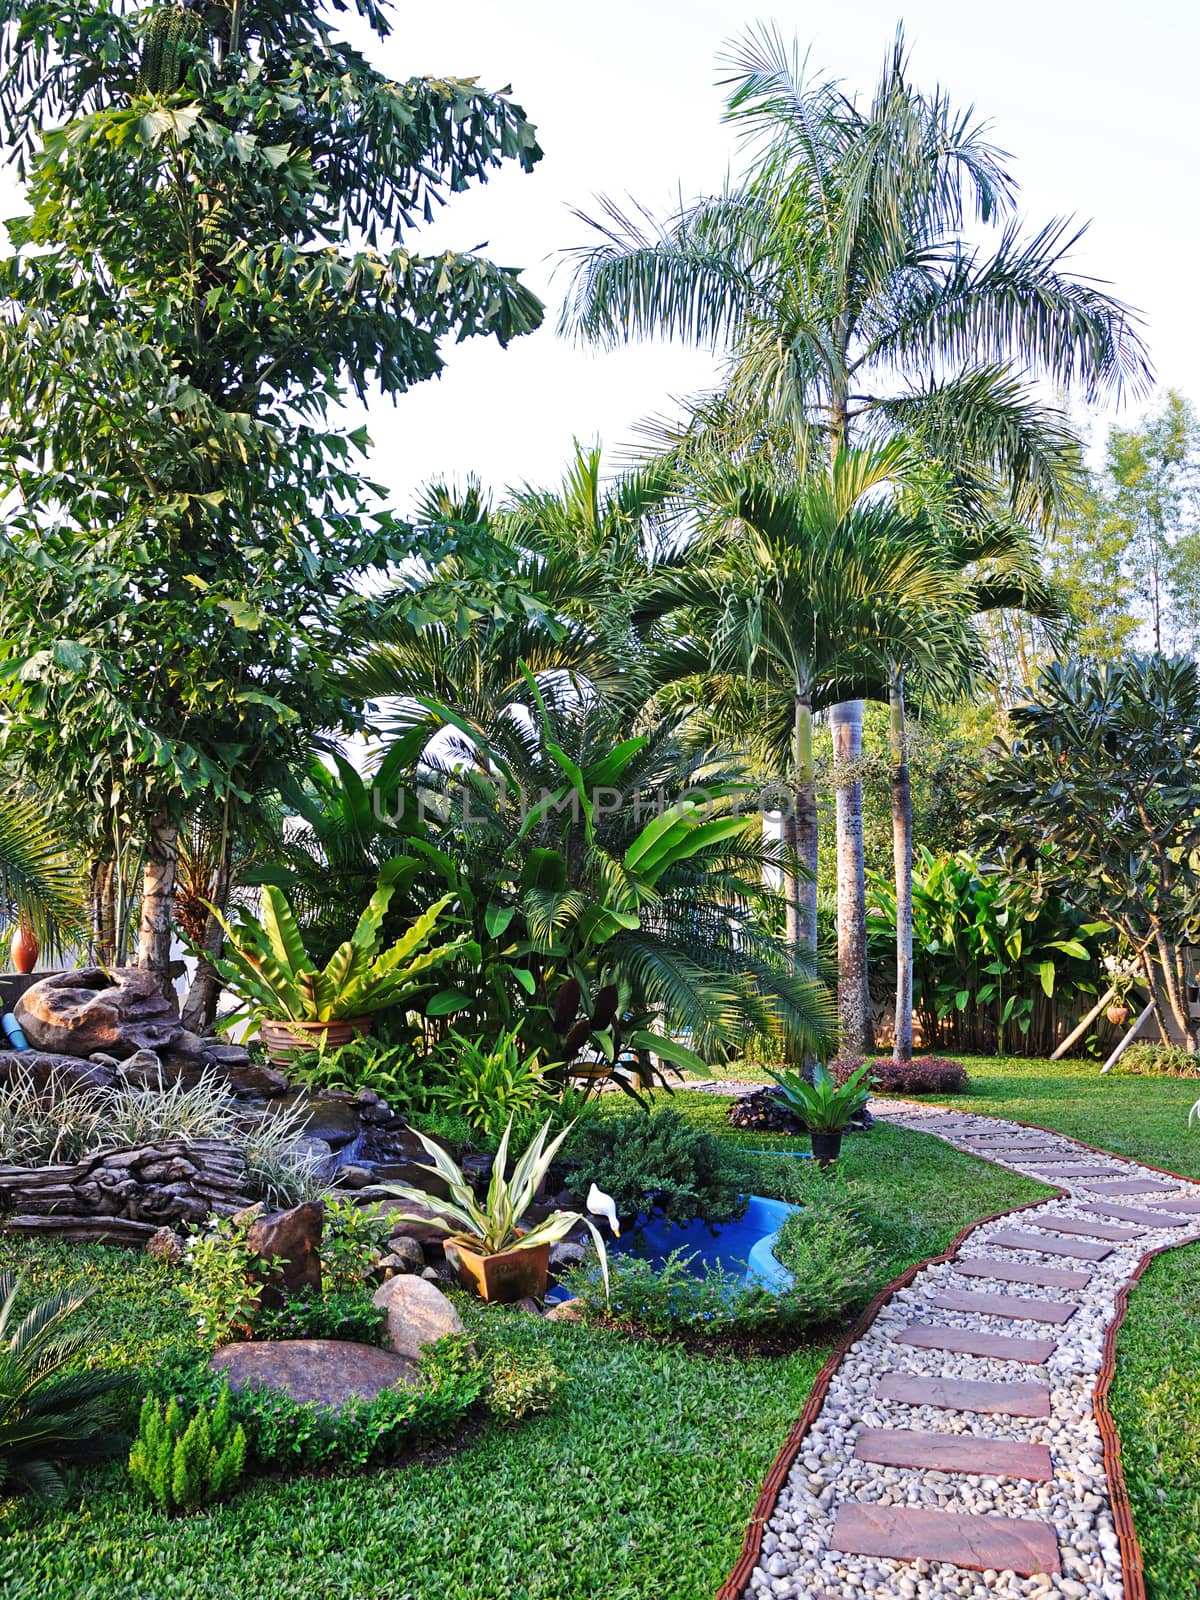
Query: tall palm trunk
[902,857]
[802,827]
[854,1001]
[158,899]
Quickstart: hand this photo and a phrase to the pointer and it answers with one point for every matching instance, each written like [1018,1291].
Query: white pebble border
[796,1561]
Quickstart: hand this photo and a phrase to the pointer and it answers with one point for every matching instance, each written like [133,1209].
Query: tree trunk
[158,899]
[804,824]
[200,1007]
[854,1004]
[902,858]
[103,910]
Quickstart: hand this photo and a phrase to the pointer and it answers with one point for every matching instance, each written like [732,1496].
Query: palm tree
[796,592]
[840,282]
[39,882]
[997,564]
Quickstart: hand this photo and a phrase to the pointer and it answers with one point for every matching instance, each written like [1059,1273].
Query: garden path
[962,1445]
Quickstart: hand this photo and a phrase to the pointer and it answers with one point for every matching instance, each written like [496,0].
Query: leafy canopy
[201,278]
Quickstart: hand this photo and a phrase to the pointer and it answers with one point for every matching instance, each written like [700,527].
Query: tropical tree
[839,279]
[1098,787]
[216,255]
[802,590]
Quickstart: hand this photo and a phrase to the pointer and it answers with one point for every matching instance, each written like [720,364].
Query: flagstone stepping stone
[966,1394]
[974,1342]
[955,1452]
[1021,1272]
[1049,1244]
[1183,1208]
[1128,1186]
[1087,1230]
[1152,1219]
[1014,1306]
[981,1544]
[1064,1172]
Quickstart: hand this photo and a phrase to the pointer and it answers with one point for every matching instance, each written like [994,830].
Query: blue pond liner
[745,1246]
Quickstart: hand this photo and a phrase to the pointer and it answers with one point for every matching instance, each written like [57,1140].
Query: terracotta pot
[506,1277]
[826,1147]
[286,1040]
[24,948]
[1117,1014]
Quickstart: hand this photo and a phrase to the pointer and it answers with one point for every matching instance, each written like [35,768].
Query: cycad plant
[51,1413]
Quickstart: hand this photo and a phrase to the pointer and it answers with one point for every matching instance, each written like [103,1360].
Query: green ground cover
[637,1485]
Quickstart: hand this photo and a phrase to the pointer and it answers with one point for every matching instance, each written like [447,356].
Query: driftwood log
[126,1195]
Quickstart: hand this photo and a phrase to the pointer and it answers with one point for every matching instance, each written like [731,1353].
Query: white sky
[1096,100]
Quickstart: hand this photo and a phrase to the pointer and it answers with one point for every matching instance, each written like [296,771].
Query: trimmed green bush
[186,1461]
[660,1163]
[522,1384]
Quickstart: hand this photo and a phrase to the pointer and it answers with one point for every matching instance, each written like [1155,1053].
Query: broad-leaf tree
[1100,787]
[853,284]
[216,254]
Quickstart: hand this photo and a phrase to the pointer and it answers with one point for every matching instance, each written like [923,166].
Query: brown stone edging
[1133,1578]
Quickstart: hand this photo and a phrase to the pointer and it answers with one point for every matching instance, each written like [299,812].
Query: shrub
[281,1433]
[352,1239]
[831,1261]
[921,1075]
[522,1384]
[184,1462]
[345,1314]
[217,1283]
[50,1416]
[1161,1061]
[404,1074]
[491,1086]
[659,1162]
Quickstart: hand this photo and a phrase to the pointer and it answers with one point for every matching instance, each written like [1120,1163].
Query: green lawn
[636,1487]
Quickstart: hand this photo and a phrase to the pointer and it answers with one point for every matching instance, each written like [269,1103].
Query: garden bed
[638,1481]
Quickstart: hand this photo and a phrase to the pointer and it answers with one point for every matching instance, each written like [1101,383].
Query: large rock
[324,1372]
[42,1065]
[417,1314]
[293,1238]
[117,1013]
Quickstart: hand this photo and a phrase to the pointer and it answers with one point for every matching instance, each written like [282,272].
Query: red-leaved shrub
[922,1075]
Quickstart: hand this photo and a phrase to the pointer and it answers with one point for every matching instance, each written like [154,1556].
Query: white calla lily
[603,1205]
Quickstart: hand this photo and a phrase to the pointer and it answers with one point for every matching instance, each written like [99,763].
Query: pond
[744,1247]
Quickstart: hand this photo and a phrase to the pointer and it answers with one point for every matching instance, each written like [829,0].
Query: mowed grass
[636,1487]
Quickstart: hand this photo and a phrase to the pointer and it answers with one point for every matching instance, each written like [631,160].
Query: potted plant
[1117,1010]
[299,1007]
[497,1258]
[825,1110]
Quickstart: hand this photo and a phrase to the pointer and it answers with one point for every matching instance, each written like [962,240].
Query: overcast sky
[1097,102]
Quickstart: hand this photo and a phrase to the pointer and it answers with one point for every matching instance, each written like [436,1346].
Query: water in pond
[744,1246]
